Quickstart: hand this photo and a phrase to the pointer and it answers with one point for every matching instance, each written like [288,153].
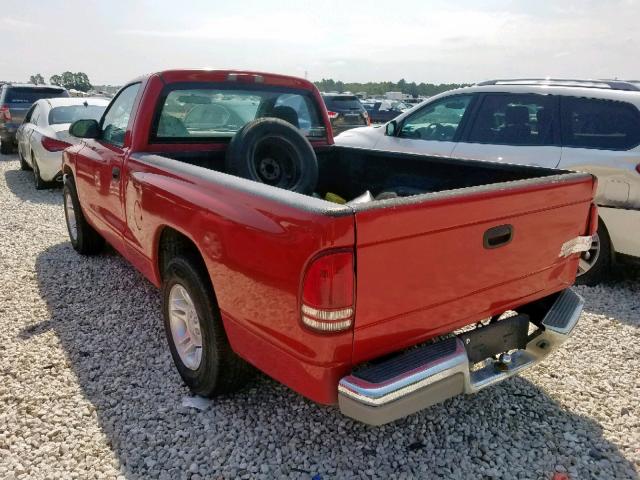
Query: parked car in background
[227,210]
[15,101]
[384,110]
[345,112]
[44,133]
[585,125]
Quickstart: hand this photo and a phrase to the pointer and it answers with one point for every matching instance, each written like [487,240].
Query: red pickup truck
[454,274]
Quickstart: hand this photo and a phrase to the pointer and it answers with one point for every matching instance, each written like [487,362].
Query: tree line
[78,81]
[380,88]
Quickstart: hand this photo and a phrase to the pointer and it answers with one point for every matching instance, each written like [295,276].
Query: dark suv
[345,112]
[15,100]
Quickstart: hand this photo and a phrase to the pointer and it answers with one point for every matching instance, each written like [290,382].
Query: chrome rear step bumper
[430,374]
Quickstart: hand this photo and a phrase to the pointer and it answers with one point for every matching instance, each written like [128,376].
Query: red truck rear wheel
[188,299]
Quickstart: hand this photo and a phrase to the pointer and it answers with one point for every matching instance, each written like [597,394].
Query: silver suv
[587,125]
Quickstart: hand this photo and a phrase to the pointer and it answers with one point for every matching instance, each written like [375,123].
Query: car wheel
[37,179]
[23,164]
[6,148]
[272,151]
[194,330]
[594,264]
[84,239]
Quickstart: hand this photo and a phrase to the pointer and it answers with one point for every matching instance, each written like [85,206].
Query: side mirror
[85,129]
[390,128]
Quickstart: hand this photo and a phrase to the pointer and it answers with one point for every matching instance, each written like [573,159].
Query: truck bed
[349,172]
[422,266]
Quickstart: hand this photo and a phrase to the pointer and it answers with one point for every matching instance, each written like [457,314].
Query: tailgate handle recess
[498,236]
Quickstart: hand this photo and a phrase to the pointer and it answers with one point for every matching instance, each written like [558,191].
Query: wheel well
[173,243]
[612,252]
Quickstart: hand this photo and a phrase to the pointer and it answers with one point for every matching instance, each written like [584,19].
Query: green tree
[78,81]
[82,82]
[36,79]
[380,88]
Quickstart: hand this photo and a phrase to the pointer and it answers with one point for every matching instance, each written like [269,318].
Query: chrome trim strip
[569,304]
[571,299]
[373,394]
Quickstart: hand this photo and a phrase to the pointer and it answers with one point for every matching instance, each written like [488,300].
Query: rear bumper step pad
[423,376]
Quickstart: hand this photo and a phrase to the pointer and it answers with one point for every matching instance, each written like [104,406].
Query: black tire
[602,266]
[23,164]
[220,370]
[86,241]
[6,148]
[39,183]
[272,151]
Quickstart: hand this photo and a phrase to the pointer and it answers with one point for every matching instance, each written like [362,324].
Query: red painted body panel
[255,250]
[420,268]
[424,269]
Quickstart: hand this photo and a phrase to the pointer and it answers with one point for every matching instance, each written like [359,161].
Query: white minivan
[587,125]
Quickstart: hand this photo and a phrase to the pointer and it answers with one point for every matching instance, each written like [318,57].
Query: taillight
[638,168]
[328,293]
[5,113]
[365,114]
[593,220]
[53,144]
[333,115]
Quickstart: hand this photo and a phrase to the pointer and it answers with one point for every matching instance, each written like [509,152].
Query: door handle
[115,173]
[498,236]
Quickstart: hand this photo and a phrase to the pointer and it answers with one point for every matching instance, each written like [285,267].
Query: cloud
[15,23]
[280,27]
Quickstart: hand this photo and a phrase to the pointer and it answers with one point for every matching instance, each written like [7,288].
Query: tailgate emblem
[575,245]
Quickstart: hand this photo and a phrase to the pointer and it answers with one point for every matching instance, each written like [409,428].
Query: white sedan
[44,133]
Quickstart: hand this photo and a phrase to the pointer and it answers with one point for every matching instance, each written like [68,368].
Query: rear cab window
[214,112]
[599,124]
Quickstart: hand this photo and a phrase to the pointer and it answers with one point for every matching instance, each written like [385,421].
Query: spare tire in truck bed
[273,151]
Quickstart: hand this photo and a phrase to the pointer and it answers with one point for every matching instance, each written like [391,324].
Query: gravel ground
[88,388]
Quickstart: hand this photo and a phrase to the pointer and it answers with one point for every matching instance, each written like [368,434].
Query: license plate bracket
[507,334]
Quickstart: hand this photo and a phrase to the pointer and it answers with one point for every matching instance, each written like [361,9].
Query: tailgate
[424,267]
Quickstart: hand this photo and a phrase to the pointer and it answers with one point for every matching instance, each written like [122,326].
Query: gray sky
[419,40]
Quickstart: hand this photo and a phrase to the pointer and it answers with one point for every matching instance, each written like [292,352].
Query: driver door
[432,130]
[99,167]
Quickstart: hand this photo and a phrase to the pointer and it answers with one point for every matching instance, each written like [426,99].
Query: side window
[116,118]
[436,121]
[601,124]
[27,117]
[515,120]
[35,114]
